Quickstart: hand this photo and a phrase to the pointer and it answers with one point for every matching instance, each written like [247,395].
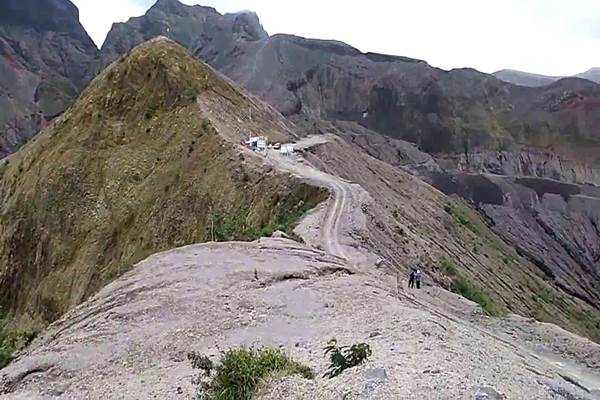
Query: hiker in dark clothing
[418,278]
[411,279]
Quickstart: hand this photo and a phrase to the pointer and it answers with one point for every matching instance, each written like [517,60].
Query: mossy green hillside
[135,166]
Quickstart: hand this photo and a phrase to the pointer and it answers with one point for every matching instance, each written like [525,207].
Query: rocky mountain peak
[178,8]
[247,26]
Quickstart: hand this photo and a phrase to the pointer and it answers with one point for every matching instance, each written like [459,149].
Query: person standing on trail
[411,279]
[418,278]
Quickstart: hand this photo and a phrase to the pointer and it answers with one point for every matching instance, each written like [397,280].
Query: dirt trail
[344,205]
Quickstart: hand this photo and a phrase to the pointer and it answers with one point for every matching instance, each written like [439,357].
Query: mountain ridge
[147,159]
[531,79]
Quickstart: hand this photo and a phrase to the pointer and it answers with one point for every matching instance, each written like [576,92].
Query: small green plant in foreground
[240,372]
[344,357]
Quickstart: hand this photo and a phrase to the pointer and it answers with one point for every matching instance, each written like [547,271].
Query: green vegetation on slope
[240,372]
[527,294]
[134,167]
[12,339]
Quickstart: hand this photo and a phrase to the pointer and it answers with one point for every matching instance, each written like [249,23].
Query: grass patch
[461,217]
[465,288]
[240,372]
[224,228]
[12,340]
[448,267]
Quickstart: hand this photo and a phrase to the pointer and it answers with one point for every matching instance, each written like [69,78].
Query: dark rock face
[45,56]
[554,224]
[202,30]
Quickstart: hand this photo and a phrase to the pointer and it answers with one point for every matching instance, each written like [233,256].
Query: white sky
[552,37]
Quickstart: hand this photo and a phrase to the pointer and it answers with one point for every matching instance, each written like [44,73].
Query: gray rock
[280,235]
[376,374]
[45,55]
[488,393]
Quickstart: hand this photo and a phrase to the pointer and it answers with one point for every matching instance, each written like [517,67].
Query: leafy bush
[241,371]
[344,357]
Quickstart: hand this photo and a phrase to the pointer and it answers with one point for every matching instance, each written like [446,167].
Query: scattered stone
[376,374]
[280,235]
[374,334]
[488,393]
[58,390]
[432,371]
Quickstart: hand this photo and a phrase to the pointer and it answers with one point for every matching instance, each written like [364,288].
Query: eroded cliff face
[45,56]
[528,161]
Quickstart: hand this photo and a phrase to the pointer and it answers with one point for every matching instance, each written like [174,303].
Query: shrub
[344,357]
[241,371]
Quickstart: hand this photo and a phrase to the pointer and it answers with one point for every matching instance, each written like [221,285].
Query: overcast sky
[552,37]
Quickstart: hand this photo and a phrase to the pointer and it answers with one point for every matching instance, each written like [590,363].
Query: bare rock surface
[130,341]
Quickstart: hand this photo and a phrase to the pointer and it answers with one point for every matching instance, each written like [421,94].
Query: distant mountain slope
[525,78]
[45,55]
[141,162]
[528,79]
[592,74]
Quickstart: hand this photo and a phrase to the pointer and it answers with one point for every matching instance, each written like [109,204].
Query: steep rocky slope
[409,224]
[554,224]
[45,55]
[146,159]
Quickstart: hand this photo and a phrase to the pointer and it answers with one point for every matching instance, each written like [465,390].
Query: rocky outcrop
[45,56]
[131,341]
[209,35]
[528,161]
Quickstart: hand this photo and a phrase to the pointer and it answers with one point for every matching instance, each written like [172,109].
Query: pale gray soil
[130,341]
